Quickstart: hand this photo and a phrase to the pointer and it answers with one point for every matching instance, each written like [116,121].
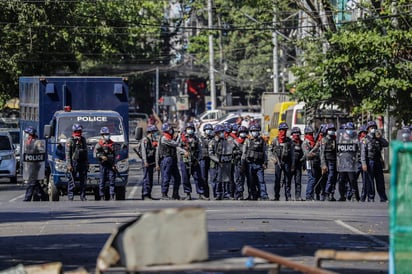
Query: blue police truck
[52,104]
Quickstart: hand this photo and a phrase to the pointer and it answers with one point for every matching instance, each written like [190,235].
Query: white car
[8,160]
[232,118]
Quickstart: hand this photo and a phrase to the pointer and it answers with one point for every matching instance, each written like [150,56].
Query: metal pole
[211,57]
[275,55]
[157,90]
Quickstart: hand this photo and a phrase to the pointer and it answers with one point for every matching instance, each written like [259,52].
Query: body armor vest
[330,149]
[282,150]
[205,147]
[166,151]
[374,148]
[255,152]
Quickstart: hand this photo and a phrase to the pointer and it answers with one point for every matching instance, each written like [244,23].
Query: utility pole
[157,90]
[275,54]
[211,57]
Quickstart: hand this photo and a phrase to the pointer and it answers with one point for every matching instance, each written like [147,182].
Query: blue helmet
[218,128]
[242,129]
[151,128]
[235,127]
[30,130]
[77,127]
[330,126]
[371,124]
[166,127]
[295,130]
[362,129]
[308,129]
[190,125]
[207,127]
[283,125]
[349,125]
[104,130]
[254,127]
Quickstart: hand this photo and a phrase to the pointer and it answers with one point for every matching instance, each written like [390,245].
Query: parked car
[232,118]
[8,162]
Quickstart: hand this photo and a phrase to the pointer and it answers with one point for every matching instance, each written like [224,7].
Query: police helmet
[371,124]
[295,130]
[283,125]
[77,127]
[104,131]
[323,128]
[190,125]
[349,125]
[166,127]
[218,128]
[151,128]
[308,129]
[207,127]
[330,126]
[30,130]
[235,127]
[242,129]
[254,127]
[362,129]
[228,128]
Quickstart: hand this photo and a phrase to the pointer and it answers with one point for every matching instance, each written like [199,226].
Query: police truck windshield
[91,127]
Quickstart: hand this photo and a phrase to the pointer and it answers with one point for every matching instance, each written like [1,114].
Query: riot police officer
[215,151]
[347,153]
[361,134]
[297,173]
[32,145]
[284,159]
[205,160]
[310,150]
[328,159]
[189,154]
[77,162]
[239,171]
[104,151]
[371,159]
[166,161]
[148,154]
[254,154]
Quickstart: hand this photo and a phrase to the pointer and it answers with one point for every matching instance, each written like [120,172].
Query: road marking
[133,192]
[357,231]
[17,198]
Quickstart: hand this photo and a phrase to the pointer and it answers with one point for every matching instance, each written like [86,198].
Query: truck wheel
[120,193]
[54,194]
[13,180]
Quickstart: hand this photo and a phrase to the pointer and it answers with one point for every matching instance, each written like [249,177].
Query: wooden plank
[222,265]
[331,254]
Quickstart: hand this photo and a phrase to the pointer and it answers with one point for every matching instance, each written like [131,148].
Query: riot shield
[34,157]
[347,150]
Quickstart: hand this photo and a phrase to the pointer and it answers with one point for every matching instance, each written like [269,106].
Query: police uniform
[105,153]
[77,162]
[371,158]
[205,163]
[166,159]
[255,158]
[148,154]
[297,172]
[328,162]
[310,150]
[239,170]
[215,153]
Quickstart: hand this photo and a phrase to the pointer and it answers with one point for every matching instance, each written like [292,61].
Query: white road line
[133,192]
[357,231]
[20,197]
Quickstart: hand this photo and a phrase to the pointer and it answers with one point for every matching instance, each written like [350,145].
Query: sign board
[182,102]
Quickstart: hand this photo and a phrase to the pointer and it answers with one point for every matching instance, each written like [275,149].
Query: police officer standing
[104,151]
[310,150]
[362,132]
[148,154]
[297,173]
[284,159]
[254,154]
[32,145]
[189,154]
[166,161]
[205,160]
[371,158]
[215,152]
[77,161]
[239,170]
[328,159]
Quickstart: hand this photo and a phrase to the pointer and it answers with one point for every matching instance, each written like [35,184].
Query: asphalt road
[74,232]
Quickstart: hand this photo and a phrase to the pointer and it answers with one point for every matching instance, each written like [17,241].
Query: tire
[13,180]
[54,194]
[120,193]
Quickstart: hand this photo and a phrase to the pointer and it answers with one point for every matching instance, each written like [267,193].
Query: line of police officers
[228,162]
